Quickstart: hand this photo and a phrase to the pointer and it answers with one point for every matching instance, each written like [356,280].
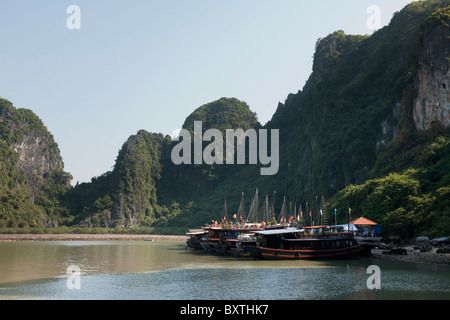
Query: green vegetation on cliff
[146,189]
[222,114]
[409,203]
[125,197]
[31,187]
[358,98]
[349,135]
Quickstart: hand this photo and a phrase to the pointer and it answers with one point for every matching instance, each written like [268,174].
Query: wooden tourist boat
[245,244]
[305,243]
[236,236]
[222,240]
[222,237]
[194,238]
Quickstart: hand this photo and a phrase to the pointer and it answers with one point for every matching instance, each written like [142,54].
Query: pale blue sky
[148,64]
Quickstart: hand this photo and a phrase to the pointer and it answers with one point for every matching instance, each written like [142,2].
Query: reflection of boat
[306,243]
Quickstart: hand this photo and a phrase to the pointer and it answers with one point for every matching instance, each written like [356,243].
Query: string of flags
[294,215]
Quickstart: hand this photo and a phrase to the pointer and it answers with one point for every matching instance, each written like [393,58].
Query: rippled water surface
[165,270]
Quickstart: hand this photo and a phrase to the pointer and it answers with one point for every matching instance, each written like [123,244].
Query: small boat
[245,244]
[223,239]
[305,243]
[194,239]
[235,236]
[367,234]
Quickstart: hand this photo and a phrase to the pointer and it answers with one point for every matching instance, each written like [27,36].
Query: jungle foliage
[348,135]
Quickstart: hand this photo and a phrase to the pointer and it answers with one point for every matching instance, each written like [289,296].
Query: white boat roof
[278,231]
[195,232]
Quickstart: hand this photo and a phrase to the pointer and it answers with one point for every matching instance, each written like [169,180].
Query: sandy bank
[89,237]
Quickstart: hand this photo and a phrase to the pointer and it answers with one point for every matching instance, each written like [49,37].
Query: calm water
[166,271]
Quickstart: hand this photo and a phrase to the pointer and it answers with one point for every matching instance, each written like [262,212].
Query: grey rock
[445,249]
[399,251]
[426,247]
[437,242]
[423,244]
[432,102]
[422,239]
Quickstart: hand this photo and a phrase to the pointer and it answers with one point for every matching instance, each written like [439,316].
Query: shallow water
[166,271]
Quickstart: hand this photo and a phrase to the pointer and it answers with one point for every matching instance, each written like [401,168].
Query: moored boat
[236,235]
[367,234]
[194,238]
[222,239]
[305,243]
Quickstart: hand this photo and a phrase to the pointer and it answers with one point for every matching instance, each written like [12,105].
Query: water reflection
[165,270]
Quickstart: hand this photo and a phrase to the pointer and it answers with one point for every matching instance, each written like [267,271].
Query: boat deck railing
[343,235]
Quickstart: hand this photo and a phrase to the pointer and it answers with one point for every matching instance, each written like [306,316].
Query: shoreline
[89,237]
[414,256]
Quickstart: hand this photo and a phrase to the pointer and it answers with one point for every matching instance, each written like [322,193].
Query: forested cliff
[32,179]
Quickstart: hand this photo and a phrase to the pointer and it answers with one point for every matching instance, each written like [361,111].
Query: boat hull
[208,248]
[193,244]
[279,254]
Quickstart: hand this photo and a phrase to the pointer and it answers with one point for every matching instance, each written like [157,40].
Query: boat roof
[346,226]
[316,227]
[278,231]
[235,228]
[314,239]
[195,232]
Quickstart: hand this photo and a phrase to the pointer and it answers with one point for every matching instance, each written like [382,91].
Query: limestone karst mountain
[369,129]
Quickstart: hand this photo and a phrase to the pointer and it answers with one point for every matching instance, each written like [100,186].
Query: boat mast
[324,212]
[294,214]
[253,213]
[310,217]
[241,210]
[225,209]
[300,213]
[283,210]
[266,210]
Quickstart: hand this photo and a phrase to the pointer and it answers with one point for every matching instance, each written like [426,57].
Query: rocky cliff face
[144,177]
[36,175]
[29,138]
[38,156]
[125,197]
[334,132]
[433,100]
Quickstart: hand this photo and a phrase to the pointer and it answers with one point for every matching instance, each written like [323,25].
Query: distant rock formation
[432,103]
